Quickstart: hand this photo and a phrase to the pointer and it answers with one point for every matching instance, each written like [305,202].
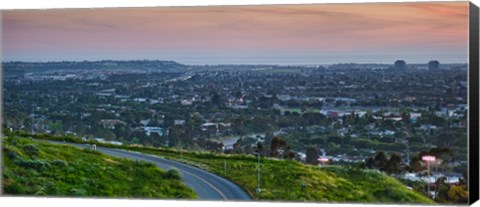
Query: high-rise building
[400,65]
[434,65]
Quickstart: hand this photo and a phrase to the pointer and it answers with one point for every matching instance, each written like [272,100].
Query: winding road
[206,185]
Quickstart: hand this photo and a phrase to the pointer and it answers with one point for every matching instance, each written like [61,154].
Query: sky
[268,34]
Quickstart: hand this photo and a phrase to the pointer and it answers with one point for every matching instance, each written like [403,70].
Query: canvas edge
[473,122]
[473,78]
[1,103]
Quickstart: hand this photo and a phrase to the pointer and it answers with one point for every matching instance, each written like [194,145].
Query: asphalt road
[208,186]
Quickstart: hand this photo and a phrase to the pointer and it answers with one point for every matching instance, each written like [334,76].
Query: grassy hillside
[285,180]
[292,181]
[38,168]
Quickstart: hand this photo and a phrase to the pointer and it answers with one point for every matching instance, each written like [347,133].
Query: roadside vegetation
[281,180]
[287,180]
[43,169]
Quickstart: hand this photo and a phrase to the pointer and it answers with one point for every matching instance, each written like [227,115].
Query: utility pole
[225,167]
[258,186]
[408,152]
[429,175]
[259,149]
[33,120]
[428,159]
[180,148]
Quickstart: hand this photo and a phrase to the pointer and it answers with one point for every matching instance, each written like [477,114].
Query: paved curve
[206,185]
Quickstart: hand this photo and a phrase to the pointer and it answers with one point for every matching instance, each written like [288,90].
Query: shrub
[141,163]
[13,188]
[42,136]
[59,163]
[31,150]
[40,193]
[78,192]
[88,150]
[12,154]
[173,174]
[10,140]
[33,164]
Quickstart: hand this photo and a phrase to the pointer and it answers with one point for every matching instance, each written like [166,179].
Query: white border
[71,202]
[46,4]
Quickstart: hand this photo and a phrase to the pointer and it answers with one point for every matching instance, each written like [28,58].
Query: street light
[428,159]
[33,119]
[258,186]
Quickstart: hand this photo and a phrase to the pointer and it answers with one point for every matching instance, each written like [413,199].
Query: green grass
[43,169]
[286,180]
[292,110]
[299,110]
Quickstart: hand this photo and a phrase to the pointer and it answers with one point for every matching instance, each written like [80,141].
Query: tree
[237,125]
[259,147]
[441,189]
[394,165]
[248,149]
[312,118]
[441,154]
[264,102]
[238,94]
[237,148]
[370,163]
[416,165]
[416,139]
[312,156]
[457,194]
[157,140]
[335,139]
[390,166]
[276,145]
[445,139]
[216,100]
[380,160]
[288,154]
[261,124]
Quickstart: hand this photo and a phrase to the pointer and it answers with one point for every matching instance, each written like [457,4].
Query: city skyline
[272,34]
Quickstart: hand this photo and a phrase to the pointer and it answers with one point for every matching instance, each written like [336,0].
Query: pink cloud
[319,27]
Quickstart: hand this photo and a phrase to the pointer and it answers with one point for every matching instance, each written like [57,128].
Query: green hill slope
[286,180]
[39,168]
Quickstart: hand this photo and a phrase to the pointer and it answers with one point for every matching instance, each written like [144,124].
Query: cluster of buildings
[401,65]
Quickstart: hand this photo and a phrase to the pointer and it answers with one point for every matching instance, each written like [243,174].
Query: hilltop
[20,68]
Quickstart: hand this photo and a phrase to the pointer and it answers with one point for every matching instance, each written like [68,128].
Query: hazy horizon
[213,64]
[308,34]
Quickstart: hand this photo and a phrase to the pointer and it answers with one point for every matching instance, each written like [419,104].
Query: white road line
[203,180]
[211,185]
